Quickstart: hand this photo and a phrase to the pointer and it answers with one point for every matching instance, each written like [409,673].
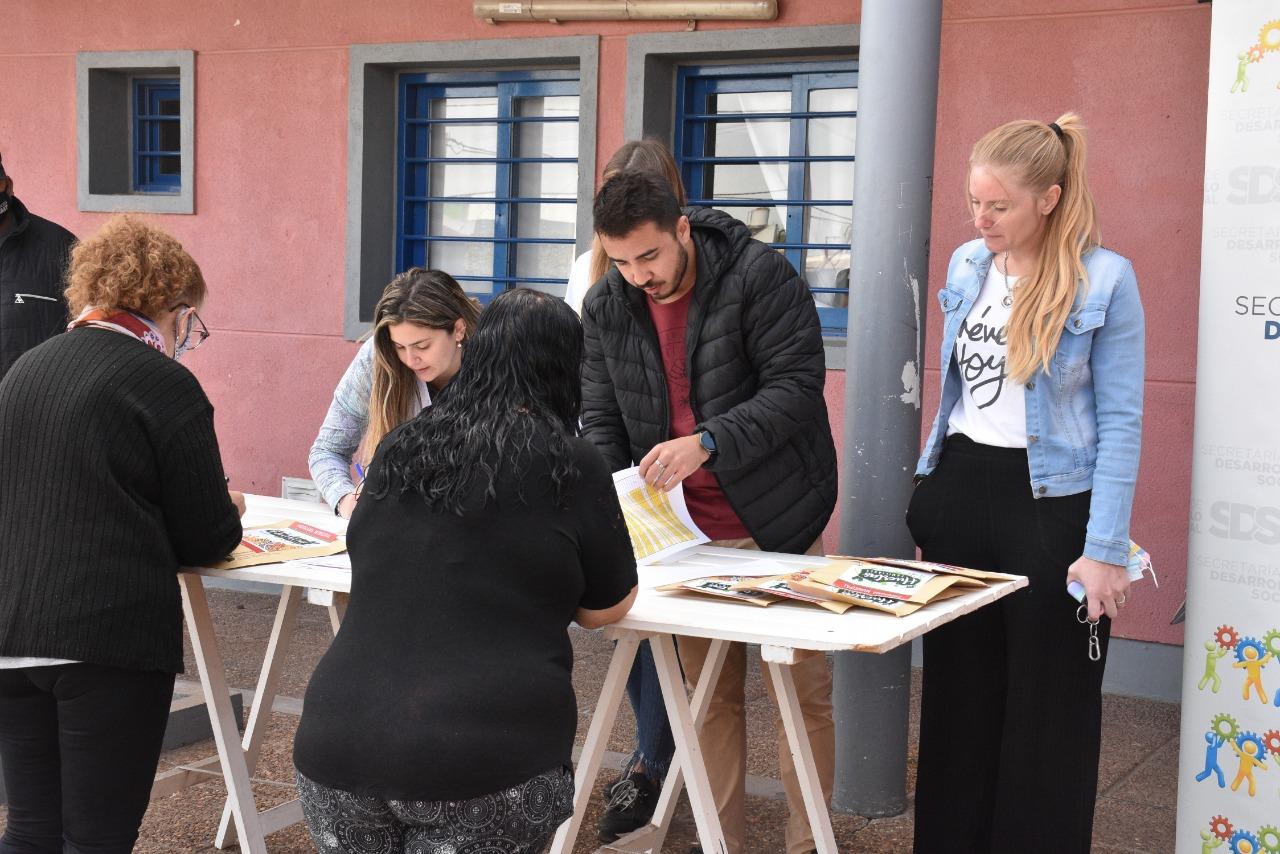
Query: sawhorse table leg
[226,735]
[264,696]
[779,661]
[615,683]
[652,836]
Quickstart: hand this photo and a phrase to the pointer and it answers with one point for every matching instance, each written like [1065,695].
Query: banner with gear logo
[1229,768]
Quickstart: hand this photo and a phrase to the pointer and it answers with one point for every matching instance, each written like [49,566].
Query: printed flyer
[281,541]
[659,523]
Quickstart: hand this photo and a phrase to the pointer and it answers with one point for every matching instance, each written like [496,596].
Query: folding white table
[780,630]
[236,756]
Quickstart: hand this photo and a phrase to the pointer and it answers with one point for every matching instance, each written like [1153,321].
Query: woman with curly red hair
[112,481]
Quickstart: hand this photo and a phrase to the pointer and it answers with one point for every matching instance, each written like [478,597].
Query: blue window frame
[488,178]
[157,135]
[773,146]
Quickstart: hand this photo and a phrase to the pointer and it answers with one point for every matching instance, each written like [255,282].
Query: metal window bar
[148,94]
[742,117]
[511,120]
[417,92]
[695,135]
[454,238]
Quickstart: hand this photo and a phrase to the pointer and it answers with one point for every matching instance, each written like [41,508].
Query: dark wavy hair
[520,372]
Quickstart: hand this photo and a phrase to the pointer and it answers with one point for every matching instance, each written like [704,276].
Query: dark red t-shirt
[702,493]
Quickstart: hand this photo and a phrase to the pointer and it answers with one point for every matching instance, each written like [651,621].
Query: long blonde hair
[429,298]
[1032,154]
[649,155]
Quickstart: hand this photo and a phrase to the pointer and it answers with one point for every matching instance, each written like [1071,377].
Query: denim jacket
[1084,416]
[339,438]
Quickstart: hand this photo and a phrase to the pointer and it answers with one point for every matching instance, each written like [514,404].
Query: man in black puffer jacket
[704,365]
[33,265]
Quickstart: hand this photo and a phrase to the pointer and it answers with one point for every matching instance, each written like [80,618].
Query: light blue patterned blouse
[344,426]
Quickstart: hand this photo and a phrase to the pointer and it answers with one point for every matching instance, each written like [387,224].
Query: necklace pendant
[1007,300]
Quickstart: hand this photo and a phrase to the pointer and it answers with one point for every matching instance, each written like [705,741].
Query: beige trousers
[724,731]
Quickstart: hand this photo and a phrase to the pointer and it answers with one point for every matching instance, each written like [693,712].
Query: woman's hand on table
[237,498]
[1106,585]
[347,505]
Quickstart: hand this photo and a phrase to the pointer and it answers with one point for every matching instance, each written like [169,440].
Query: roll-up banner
[1229,770]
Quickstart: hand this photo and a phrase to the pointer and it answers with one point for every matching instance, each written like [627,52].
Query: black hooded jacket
[756,372]
[33,269]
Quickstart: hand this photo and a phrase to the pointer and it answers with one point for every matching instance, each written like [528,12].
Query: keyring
[1095,646]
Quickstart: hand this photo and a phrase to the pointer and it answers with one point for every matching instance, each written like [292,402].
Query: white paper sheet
[659,522]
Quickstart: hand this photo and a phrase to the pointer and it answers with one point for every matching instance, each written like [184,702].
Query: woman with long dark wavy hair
[444,710]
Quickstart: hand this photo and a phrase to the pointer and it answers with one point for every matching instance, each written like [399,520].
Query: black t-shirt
[450,678]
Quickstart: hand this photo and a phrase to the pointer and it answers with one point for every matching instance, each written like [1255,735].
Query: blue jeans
[654,744]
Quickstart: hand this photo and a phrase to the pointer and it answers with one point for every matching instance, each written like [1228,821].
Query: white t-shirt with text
[992,409]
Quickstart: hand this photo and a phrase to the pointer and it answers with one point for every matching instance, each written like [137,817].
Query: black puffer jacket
[756,371]
[33,268]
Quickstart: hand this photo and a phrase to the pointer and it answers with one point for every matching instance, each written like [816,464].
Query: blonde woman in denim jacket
[1029,469]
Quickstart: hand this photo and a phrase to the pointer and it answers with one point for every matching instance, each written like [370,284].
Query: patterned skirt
[518,820]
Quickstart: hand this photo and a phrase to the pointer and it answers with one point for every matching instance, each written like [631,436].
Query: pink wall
[271,102]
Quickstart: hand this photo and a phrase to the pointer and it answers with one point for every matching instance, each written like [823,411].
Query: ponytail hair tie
[1053,126]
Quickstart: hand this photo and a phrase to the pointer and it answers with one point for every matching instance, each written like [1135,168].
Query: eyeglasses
[191,333]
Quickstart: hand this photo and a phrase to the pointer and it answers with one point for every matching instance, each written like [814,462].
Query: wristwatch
[708,442]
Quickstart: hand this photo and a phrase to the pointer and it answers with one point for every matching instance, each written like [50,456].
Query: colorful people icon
[1211,766]
[1242,80]
[1251,656]
[1208,842]
[1252,756]
[1213,653]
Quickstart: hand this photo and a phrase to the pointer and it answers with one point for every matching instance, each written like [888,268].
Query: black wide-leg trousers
[1011,710]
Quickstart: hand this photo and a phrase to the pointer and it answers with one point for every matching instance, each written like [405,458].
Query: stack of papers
[895,586]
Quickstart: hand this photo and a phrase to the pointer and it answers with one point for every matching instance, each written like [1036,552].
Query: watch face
[708,443]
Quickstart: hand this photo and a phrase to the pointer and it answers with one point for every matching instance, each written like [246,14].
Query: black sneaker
[629,807]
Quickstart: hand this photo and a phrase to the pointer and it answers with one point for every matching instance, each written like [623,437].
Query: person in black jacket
[704,364]
[112,481]
[33,264]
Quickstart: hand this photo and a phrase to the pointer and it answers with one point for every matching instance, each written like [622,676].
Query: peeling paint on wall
[911,370]
[910,384]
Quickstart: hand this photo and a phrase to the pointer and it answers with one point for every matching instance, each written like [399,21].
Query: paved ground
[1137,785]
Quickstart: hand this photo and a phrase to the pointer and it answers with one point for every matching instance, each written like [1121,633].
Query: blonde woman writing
[420,325]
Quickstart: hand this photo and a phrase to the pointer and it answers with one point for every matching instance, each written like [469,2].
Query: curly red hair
[133,265]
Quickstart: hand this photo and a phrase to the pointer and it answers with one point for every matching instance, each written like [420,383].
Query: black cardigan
[756,370]
[110,479]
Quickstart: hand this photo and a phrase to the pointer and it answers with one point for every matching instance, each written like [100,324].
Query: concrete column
[897,97]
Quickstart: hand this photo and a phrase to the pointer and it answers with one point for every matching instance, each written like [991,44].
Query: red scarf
[121,320]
